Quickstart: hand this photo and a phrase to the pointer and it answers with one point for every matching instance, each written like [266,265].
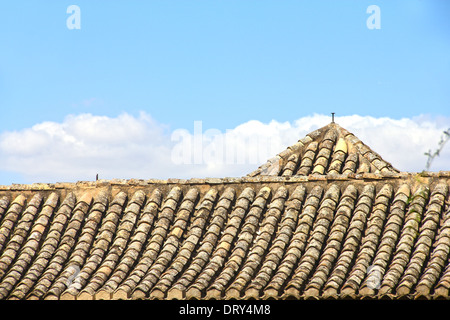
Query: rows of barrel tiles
[281,242]
[328,150]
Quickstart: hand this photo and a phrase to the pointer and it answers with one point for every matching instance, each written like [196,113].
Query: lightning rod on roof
[332,117]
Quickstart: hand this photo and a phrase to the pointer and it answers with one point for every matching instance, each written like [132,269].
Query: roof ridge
[106,183]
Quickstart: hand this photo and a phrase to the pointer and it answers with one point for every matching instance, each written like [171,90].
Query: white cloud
[84,145]
[402,142]
[129,146]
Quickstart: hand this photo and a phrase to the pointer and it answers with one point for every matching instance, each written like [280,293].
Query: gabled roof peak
[326,151]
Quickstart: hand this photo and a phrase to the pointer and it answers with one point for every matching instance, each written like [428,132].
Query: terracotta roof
[227,238]
[328,150]
[357,235]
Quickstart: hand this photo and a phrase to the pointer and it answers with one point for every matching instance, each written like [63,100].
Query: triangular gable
[326,151]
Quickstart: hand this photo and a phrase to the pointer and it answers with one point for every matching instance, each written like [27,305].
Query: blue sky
[222,62]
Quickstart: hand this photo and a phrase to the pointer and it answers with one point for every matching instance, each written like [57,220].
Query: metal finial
[332,117]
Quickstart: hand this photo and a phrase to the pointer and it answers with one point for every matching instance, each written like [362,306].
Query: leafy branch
[444,138]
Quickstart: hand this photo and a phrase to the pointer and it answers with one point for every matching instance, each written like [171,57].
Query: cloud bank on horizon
[139,147]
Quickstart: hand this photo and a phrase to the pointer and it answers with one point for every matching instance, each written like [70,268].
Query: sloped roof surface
[242,238]
[327,219]
[328,150]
